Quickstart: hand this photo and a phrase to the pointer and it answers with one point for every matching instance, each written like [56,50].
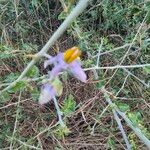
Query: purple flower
[60,65]
[50,90]
[47,93]
[62,62]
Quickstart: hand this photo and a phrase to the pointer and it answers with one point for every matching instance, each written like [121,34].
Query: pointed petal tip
[83,77]
[77,71]
[47,92]
[44,98]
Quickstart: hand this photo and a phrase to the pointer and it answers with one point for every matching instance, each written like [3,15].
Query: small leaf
[11,77]
[60,131]
[100,84]
[123,107]
[35,93]
[57,84]
[4,97]
[135,117]
[33,72]
[69,105]
[18,86]
[146,70]
[62,16]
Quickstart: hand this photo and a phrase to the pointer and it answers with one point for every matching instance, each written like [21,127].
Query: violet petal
[47,93]
[77,71]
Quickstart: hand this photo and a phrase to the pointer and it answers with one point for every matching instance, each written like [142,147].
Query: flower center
[71,54]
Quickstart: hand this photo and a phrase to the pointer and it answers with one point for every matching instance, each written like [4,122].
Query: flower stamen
[71,54]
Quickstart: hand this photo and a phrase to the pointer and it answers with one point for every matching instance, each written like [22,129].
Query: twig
[25,144]
[86,69]
[26,80]
[11,104]
[45,130]
[130,73]
[75,12]
[124,57]
[115,49]
[136,130]
[118,66]
[59,113]
[63,5]
[117,119]
[104,110]
[99,51]
[122,87]
[16,122]
[121,129]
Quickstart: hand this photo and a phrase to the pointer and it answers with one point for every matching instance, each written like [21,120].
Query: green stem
[118,67]
[136,130]
[82,4]
[59,113]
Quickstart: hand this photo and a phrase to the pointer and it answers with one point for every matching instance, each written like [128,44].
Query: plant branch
[59,113]
[121,129]
[115,113]
[126,54]
[75,12]
[118,67]
[136,130]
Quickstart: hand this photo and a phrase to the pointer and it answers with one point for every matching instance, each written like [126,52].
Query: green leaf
[57,84]
[135,117]
[33,72]
[11,77]
[62,16]
[146,70]
[100,84]
[18,86]
[35,93]
[6,52]
[69,105]
[4,97]
[123,107]
[60,131]
[111,143]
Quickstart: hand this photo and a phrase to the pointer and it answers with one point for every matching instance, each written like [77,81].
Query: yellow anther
[71,54]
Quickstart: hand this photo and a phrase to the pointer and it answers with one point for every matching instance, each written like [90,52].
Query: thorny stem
[86,69]
[121,129]
[136,130]
[75,12]
[115,113]
[130,73]
[59,113]
[118,66]
[135,37]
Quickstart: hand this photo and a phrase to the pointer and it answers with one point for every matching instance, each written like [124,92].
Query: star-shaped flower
[67,61]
